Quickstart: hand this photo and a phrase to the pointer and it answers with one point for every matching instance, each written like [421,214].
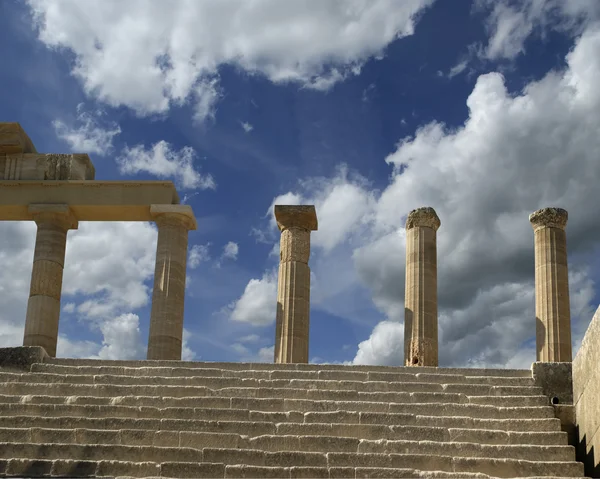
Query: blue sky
[483,110]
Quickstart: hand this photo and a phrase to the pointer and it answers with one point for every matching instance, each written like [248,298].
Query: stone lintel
[13,139]
[182,212]
[88,200]
[424,216]
[296,216]
[549,218]
[61,211]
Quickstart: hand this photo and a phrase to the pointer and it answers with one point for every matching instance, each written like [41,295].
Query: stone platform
[67,417]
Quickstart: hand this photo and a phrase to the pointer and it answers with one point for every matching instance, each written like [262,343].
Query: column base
[164,348]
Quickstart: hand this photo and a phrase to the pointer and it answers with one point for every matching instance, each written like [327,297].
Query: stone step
[281,404]
[224,382]
[24,385]
[150,470]
[413,427]
[526,373]
[423,461]
[59,439]
[398,412]
[337,375]
[271,442]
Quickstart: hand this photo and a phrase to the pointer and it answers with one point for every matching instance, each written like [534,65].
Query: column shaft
[43,306]
[293,298]
[420,311]
[166,317]
[552,306]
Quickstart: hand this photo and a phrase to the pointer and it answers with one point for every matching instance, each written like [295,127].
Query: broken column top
[549,217]
[13,139]
[19,160]
[425,216]
[296,216]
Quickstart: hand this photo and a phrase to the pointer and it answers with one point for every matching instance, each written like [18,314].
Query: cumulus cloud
[163,161]
[122,338]
[247,126]
[257,305]
[230,251]
[153,54]
[90,133]
[384,347]
[198,253]
[510,24]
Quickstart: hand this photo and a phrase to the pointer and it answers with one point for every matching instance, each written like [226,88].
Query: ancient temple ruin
[163,417]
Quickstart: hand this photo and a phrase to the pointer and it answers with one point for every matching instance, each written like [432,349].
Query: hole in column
[415,360]
[554,400]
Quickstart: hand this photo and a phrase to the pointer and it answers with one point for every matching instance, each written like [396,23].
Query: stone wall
[586,397]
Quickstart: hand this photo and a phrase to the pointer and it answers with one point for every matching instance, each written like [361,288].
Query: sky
[485,110]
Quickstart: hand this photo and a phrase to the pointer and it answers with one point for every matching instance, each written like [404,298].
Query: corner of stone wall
[556,381]
[586,398]
[21,358]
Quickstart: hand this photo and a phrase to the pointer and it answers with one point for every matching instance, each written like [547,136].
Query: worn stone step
[413,376]
[199,440]
[18,387]
[286,367]
[397,412]
[226,382]
[150,470]
[274,443]
[495,466]
[423,428]
[280,404]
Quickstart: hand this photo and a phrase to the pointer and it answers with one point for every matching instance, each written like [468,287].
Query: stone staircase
[69,417]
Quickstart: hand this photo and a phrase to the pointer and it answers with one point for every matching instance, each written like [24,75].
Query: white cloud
[163,161]
[154,54]
[258,303]
[109,263]
[187,354]
[197,254]
[92,135]
[247,126]
[230,251]
[122,338]
[458,68]
[385,346]
[510,24]
[250,338]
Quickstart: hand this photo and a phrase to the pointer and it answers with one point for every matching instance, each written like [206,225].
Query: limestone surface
[13,139]
[198,419]
[420,310]
[293,289]
[552,305]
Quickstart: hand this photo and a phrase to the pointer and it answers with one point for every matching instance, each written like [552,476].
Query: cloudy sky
[485,110]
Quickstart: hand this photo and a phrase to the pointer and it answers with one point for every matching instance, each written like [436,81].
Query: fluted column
[293,288]
[552,308]
[166,317]
[420,303]
[43,307]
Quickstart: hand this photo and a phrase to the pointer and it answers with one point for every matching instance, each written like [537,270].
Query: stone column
[420,300]
[552,308]
[293,288]
[166,317]
[43,308]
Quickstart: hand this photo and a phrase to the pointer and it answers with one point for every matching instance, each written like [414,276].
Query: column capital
[296,216]
[549,218]
[425,216]
[59,214]
[174,214]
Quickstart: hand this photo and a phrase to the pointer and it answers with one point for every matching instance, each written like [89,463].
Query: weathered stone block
[22,357]
[555,379]
[13,139]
